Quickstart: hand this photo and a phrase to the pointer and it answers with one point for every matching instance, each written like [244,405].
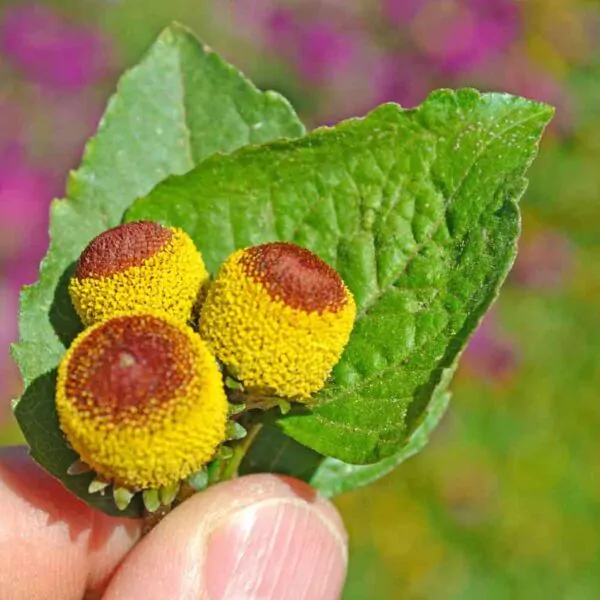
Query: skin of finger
[52,545]
[170,561]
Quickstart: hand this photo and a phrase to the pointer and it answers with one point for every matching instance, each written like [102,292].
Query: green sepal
[122,497]
[235,409]
[235,431]
[78,468]
[151,500]
[199,480]
[224,453]
[233,384]
[284,406]
[168,493]
[213,468]
[98,485]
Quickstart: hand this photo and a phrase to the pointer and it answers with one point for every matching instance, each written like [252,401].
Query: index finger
[52,545]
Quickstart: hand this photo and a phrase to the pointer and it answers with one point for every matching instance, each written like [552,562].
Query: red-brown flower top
[140,266]
[279,318]
[140,398]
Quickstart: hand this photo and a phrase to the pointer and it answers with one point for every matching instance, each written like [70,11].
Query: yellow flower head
[139,266]
[140,398]
[279,318]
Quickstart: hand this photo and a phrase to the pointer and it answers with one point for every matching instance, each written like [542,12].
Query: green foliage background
[504,503]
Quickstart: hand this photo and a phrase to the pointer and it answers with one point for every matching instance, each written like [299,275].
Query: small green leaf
[232,384]
[181,104]
[416,209]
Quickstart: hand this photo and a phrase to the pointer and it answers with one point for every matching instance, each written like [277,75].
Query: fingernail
[278,549]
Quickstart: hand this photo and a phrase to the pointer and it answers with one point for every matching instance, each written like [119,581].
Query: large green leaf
[272,451]
[334,477]
[275,452]
[181,104]
[417,209]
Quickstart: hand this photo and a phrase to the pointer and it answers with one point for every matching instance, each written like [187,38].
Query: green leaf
[334,477]
[416,209]
[275,452]
[181,104]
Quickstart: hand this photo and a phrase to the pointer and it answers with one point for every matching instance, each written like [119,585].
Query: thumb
[261,537]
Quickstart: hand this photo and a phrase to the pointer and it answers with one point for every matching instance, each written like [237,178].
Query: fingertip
[258,536]
[52,545]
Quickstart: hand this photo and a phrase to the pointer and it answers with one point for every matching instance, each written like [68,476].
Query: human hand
[260,537]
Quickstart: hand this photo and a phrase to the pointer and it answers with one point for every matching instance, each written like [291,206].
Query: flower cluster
[141,394]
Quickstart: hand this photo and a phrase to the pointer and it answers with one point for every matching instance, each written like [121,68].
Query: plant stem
[239,451]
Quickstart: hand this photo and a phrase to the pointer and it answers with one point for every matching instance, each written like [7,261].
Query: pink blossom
[544,261]
[25,192]
[323,51]
[282,27]
[461,35]
[490,354]
[403,79]
[9,380]
[318,49]
[401,11]
[51,51]
[10,118]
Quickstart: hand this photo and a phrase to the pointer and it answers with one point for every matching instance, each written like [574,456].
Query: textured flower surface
[140,399]
[279,318]
[138,267]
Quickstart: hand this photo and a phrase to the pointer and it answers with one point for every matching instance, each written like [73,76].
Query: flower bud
[140,398]
[138,267]
[279,318]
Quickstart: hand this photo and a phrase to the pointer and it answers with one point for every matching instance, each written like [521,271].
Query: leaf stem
[239,451]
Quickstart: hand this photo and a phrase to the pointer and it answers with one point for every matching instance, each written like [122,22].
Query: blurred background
[505,501]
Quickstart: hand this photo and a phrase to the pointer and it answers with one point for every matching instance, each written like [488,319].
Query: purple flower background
[504,502]
[49,50]
[48,106]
